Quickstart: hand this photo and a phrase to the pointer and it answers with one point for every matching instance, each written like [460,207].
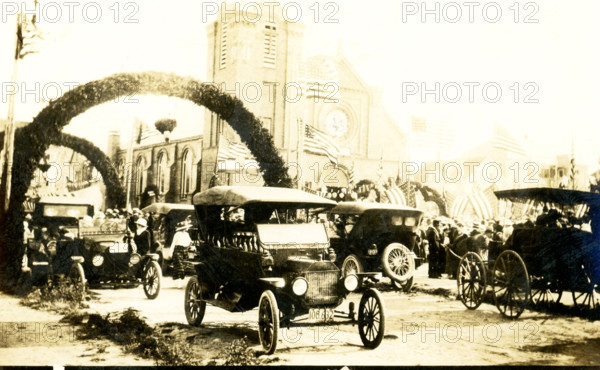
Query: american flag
[395,196]
[232,150]
[28,35]
[351,177]
[409,192]
[380,171]
[317,142]
[431,134]
[504,141]
[144,132]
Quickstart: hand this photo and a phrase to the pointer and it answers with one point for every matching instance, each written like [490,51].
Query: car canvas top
[347,208]
[560,196]
[243,195]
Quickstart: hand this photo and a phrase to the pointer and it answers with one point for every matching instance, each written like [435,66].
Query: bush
[61,297]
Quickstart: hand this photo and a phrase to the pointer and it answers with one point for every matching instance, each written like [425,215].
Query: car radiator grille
[322,287]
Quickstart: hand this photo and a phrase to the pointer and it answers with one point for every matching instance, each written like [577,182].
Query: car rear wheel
[152,279]
[194,306]
[351,265]
[371,318]
[398,262]
[268,321]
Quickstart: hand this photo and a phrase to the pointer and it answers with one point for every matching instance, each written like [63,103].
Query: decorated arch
[115,193]
[47,126]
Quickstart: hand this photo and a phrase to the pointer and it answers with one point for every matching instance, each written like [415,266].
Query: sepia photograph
[310,183]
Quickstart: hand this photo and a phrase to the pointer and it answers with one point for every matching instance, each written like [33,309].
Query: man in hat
[141,237]
[435,248]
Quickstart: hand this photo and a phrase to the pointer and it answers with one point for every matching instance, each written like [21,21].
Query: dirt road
[422,329]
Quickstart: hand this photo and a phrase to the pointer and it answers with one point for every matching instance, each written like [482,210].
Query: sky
[539,55]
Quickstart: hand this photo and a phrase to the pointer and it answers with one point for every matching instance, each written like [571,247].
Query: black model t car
[376,237]
[258,249]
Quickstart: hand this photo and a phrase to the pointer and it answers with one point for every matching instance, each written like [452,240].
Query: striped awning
[478,201]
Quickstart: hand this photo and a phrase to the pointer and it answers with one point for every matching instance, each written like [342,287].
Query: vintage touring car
[50,255]
[376,237]
[110,259]
[92,253]
[167,216]
[258,249]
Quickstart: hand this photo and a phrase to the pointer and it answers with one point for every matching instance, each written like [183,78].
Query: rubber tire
[157,275]
[193,285]
[268,298]
[387,268]
[374,294]
[352,258]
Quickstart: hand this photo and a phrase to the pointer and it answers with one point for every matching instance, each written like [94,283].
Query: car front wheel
[194,306]
[371,318]
[351,265]
[152,278]
[268,321]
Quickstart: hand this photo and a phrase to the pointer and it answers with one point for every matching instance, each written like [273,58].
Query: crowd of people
[444,241]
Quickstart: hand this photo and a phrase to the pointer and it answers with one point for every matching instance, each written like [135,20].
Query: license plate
[320,314]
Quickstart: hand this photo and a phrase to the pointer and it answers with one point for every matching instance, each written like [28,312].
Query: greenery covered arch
[47,126]
[115,193]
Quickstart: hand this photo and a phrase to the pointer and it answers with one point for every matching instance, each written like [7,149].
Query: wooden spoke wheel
[77,278]
[586,296]
[351,265]
[543,294]
[371,318]
[398,262]
[194,306]
[151,280]
[471,280]
[268,321]
[510,283]
[404,286]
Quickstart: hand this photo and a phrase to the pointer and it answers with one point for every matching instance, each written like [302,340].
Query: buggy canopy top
[244,195]
[559,196]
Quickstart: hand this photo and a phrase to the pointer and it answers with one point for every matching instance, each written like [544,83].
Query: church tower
[251,52]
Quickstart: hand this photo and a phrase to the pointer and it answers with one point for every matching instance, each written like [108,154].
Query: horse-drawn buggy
[376,237]
[554,247]
[259,249]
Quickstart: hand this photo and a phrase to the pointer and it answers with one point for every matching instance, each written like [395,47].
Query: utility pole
[9,129]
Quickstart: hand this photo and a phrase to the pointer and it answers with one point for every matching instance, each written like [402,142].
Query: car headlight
[134,259]
[299,286]
[351,282]
[98,260]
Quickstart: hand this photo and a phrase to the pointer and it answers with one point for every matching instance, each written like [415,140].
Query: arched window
[162,173]
[140,166]
[186,172]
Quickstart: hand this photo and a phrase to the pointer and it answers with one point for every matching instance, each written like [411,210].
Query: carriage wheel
[543,294]
[371,318]
[587,296]
[77,277]
[510,283]
[151,280]
[398,262]
[471,280]
[351,265]
[404,286]
[194,306]
[268,321]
